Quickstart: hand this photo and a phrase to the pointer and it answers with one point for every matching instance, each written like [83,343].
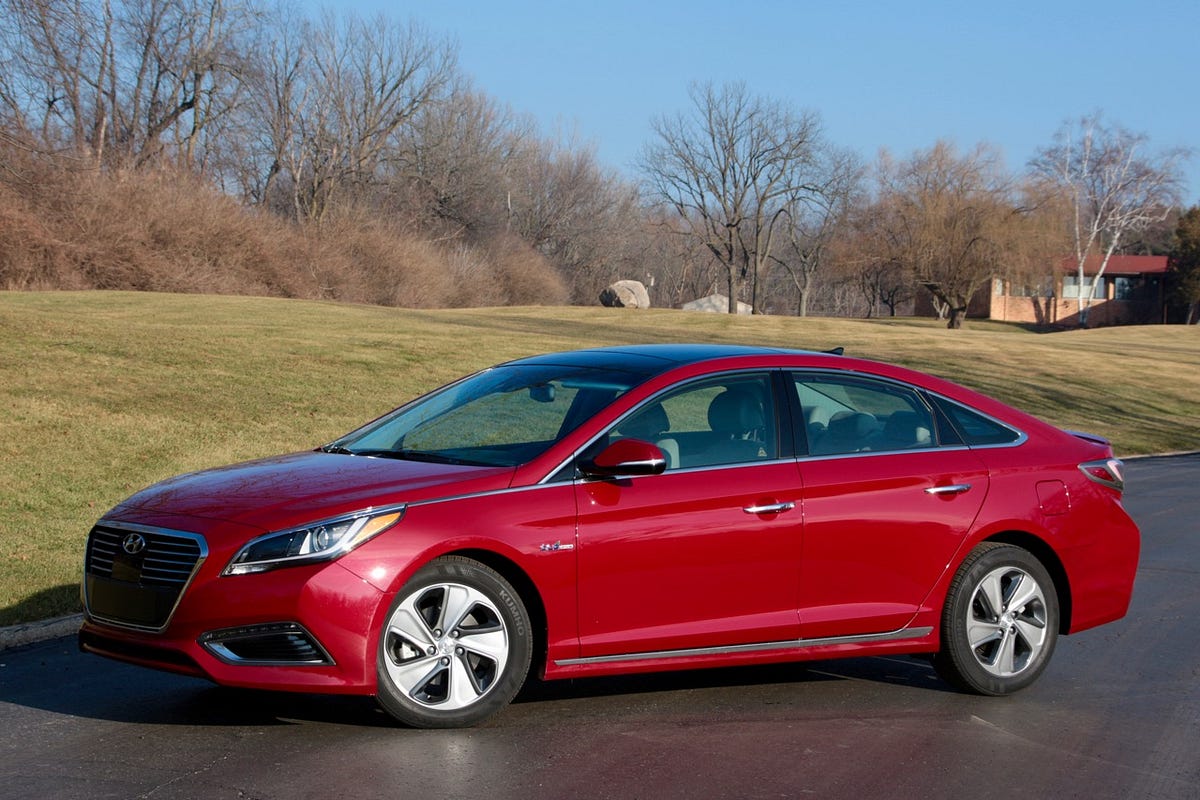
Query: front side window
[843,414]
[724,420]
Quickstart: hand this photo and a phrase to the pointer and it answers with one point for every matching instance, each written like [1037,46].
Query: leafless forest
[228,146]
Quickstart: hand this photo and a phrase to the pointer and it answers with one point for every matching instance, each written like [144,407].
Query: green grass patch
[104,393]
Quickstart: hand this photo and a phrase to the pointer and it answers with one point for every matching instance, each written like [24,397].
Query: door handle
[774,508]
[955,488]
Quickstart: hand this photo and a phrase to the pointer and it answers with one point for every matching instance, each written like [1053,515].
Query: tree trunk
[957,314]
[804,291]
[940,307]
[1082,288]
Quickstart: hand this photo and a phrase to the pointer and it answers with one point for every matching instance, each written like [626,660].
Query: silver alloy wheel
[446,645]
[1007,621]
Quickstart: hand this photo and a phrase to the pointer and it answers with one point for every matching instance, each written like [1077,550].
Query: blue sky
[879,74]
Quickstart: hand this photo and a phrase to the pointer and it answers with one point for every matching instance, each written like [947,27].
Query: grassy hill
[104,393]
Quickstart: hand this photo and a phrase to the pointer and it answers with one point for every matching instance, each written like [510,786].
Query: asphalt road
[1116,715]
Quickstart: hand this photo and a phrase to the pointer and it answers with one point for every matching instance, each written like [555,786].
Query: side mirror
[625,458]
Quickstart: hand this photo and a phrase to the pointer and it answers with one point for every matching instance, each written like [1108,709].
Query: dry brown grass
[171,232]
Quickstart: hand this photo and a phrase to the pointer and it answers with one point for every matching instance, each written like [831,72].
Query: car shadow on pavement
[54,676]
[914,672]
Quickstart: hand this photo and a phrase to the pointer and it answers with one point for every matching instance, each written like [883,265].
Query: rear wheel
[455,647]
[999,623]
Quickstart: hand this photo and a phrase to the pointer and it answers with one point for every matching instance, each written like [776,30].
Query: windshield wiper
[336,448]
[416,455]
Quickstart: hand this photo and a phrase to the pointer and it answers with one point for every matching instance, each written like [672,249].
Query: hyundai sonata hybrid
[624,510]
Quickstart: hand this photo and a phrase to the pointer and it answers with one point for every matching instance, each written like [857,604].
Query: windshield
[504,416]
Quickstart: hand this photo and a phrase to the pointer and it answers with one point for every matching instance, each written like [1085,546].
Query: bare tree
[885,282]
[125,82]
[271,150]
[582,217]
[472,168]
[61,69]
[954,222]
[455,163]
[730,167]
[334,98]
[677,266]
[815,217]
[14,111]
[1115,188]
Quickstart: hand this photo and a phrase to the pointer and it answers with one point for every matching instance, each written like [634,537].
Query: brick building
[1131,291]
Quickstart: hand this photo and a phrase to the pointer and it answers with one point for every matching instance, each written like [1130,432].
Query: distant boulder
[716,304]
[626,294]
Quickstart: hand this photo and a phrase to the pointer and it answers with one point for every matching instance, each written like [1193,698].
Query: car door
[887,503]
[706,553]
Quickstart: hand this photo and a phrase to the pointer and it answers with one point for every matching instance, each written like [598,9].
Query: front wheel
[999,623]
[455,647]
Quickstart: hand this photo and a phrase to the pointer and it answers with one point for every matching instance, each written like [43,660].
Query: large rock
[626,294]
[716,304]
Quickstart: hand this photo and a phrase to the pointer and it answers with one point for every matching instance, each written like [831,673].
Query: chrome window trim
[151,529]
[1020,440]
[902,634]
[868,453]
[726,467]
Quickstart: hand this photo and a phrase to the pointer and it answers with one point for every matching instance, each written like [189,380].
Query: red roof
[1121,265]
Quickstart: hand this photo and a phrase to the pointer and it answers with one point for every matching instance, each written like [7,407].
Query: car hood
[280,492]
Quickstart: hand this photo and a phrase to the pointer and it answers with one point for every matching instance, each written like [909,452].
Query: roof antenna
[837,351]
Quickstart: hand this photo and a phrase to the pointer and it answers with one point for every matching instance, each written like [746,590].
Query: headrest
[648,424]
[735,411]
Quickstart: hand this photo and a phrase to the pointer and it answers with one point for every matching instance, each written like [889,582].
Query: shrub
[167,231]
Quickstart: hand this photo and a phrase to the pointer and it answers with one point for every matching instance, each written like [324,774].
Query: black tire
[999,623]
[455,647]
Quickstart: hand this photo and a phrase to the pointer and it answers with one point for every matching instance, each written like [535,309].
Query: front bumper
[307,628]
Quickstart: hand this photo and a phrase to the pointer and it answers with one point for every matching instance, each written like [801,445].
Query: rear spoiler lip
[1091,437]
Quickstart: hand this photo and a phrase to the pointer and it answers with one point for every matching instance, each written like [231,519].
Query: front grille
[139,585]
[167,560]
[276,643]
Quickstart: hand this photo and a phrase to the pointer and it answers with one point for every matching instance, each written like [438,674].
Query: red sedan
[623,510]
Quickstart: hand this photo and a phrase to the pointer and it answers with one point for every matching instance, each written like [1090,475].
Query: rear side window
[853,415]
[974,428]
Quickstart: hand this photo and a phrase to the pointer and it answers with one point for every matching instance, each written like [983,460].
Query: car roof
[650,359]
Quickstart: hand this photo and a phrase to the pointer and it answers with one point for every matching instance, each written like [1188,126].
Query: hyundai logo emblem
[133,543]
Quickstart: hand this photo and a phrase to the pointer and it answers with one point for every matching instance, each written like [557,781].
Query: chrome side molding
[757,647]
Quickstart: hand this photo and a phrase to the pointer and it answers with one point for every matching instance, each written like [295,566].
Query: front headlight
[319,542]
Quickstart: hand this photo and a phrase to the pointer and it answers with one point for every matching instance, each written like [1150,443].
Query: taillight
[1107,472]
